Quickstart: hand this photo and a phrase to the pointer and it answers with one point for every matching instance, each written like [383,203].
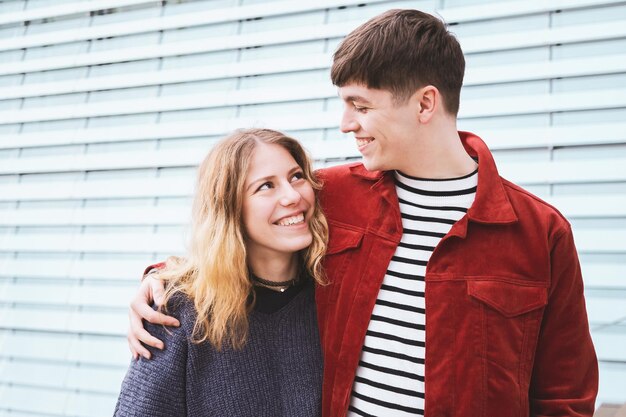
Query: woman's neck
[274,268]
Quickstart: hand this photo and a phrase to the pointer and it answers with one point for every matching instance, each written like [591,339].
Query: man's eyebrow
[358,99]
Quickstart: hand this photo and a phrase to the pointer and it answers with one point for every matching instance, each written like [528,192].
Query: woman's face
[278,204]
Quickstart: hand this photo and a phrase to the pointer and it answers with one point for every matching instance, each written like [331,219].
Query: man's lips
[362,142]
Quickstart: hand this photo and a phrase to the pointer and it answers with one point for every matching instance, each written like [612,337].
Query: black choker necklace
[274,285]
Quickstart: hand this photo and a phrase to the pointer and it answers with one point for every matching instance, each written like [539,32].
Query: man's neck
[439,154]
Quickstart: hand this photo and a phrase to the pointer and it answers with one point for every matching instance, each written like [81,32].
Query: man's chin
[371,165]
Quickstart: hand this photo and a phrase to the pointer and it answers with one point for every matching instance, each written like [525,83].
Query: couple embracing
[418,282]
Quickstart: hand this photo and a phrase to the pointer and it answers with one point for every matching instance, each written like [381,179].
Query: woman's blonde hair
[214,274]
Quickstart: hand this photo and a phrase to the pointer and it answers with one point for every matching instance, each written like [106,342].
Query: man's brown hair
[402,51]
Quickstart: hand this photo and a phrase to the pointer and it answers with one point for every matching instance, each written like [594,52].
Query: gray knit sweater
[277,374]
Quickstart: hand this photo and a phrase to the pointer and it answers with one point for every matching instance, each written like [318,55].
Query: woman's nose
[290,196]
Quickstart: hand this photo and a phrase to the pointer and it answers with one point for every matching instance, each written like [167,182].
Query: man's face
[385,131]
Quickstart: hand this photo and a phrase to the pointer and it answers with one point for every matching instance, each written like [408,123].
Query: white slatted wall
[106,107]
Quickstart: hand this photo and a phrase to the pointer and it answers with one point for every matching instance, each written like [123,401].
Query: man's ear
[429,101]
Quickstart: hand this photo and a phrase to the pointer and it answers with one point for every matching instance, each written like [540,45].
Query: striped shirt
[389,380]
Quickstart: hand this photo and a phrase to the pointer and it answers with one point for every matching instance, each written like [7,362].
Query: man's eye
[360,109]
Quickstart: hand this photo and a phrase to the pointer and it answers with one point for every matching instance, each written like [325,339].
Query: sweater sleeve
[156,387]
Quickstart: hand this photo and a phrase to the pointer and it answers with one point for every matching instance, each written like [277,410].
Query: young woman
[248,343]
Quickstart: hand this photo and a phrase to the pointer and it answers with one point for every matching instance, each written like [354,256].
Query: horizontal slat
[111,270]
[523,173]
[588,240]
[606,310]
[476,76]
[69,351]
[602,311]
[54,402]
[171,76]
[19,399]
[117,216]
[544,37]
[76,379]
[601,206]
[601,240]
[125,160]
[217,127]
[604,275]
[131,188]
[517,138]
[612,377]
[477,44]
[65,321]
[558,172]
[173,103]
[565,68]
[67,9]
[581,206]
[146,243]
[196,18]
[450,15]
[597,275]
[565,172]
[196,46]
[65,348]
[543,103]
[91,405]
[61,376]
[555,136]
[499,10]
[67,294]
[610,345]
[519,105]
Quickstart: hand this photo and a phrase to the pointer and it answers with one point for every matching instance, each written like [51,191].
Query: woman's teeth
[289,221]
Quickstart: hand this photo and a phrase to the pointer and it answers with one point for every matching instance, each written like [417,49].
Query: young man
[452,291]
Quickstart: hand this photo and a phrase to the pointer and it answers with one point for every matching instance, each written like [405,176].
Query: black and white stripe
[389,381]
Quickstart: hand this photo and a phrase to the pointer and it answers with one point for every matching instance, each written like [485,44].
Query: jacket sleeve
[156,387]
[565,372]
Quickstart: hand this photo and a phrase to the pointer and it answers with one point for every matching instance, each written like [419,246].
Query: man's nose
[348,124]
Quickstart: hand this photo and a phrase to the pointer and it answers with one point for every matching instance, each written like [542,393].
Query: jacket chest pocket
[507,317]
[342,247]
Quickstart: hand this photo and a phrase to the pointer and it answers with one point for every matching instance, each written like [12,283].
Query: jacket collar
[491,204]
[359,170]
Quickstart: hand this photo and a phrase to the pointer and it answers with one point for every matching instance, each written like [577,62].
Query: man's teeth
[363,142]
[288,221]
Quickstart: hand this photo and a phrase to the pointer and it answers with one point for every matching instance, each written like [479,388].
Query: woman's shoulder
[180,306]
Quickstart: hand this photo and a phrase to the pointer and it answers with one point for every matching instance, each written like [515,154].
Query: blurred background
[106,108]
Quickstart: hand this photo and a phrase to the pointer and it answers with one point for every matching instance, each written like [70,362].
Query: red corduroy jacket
[506,327]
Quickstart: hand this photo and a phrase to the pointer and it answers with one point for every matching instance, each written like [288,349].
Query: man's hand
[151,289]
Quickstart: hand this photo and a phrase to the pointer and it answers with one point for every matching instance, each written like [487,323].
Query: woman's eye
[298,176]
[264,186]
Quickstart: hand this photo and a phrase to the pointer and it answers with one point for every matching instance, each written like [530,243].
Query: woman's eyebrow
[269,177]
[259,180]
